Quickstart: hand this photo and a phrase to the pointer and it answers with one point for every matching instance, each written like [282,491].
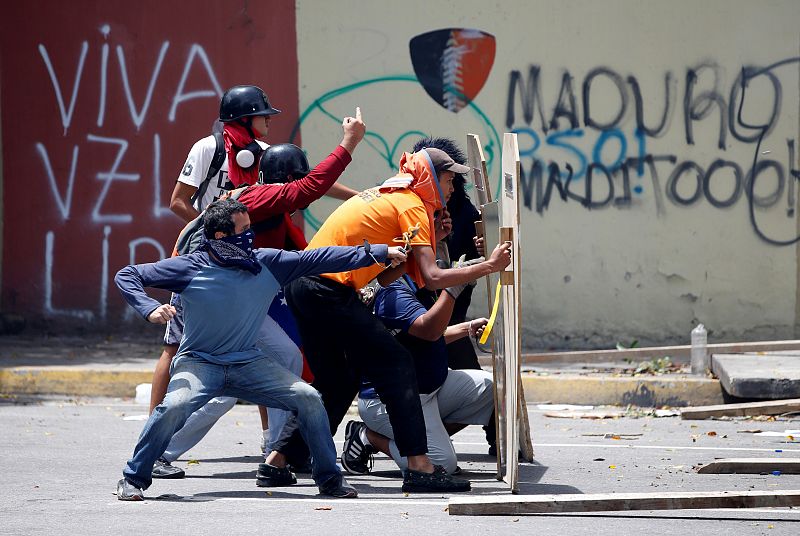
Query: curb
[603,389]
[72,381]
[598,389]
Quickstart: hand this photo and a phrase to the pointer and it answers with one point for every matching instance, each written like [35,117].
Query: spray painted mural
[659,148]
[100,107]
[659,159]
[585,150]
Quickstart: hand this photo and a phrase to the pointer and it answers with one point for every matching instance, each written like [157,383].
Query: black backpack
[213,169]
[192,235]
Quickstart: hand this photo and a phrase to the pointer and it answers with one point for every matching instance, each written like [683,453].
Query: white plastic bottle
[143,393]
[700,358]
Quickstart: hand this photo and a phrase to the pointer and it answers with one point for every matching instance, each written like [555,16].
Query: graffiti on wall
[452,66]
[62,188]
[96,126]
[596,158]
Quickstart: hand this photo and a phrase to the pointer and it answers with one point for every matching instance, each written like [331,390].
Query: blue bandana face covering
[235,250]
[243,240]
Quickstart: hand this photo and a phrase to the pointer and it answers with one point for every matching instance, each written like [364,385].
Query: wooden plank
[677,353]
[491,221]
[480,180]
[480,175]
[607,502]
[752,466]
[771,407]
[513,427]
[510,277]
[525,439]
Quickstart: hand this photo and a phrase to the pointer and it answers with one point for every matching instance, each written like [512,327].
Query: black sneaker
[304,467]
[163,469]
[128,491]
[339,488]
[437,482]
[269,476]
[356,456]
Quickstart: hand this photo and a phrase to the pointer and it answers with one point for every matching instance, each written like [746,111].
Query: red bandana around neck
[237,137]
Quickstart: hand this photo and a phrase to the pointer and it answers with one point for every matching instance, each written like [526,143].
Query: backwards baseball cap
[442,162]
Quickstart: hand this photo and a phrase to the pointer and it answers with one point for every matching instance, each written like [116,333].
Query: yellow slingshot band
[488,329]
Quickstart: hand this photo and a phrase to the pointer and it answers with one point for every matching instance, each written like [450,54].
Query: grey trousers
[466,397]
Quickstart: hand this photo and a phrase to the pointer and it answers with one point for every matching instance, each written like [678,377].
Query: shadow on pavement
[233,475]
[233,459]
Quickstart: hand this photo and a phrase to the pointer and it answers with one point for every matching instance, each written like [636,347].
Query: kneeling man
[451,399]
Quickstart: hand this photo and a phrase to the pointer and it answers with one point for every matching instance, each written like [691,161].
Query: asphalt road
[61,460]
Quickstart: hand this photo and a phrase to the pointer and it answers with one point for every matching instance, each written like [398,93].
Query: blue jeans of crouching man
[264,381]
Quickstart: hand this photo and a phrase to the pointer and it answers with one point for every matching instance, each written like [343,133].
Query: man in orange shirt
[343,341]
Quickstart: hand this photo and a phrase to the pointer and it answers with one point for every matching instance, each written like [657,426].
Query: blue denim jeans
[195,381]
[275,343]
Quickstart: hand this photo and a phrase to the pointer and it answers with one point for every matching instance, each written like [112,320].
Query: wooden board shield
[509,279]
[491,222]
[480,173]
[489,214]
[513,430]
[510,227]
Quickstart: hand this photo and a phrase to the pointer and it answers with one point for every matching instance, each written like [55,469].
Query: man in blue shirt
[226,288]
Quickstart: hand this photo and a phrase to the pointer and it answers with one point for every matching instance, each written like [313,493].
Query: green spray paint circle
[380,144]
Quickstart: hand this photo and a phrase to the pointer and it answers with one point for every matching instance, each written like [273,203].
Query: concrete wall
[643,101]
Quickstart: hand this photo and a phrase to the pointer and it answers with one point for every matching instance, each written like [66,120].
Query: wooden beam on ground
[608,502]
[771,407]
[752,466]
[677,353]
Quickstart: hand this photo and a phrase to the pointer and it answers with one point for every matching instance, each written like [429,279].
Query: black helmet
[281,160]
[244,101]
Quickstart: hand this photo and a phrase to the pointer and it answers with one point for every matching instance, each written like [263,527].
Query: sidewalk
[82,366]
[76,366]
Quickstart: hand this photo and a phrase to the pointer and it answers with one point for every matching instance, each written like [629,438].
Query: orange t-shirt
[379,218]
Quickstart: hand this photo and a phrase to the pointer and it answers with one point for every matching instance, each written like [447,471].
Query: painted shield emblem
[453,64]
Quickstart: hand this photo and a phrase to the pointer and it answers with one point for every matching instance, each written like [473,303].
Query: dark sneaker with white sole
[128,491]
[356,456]
[164,469]
[269,476]
[437,482]
[339,488]
[304,467]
